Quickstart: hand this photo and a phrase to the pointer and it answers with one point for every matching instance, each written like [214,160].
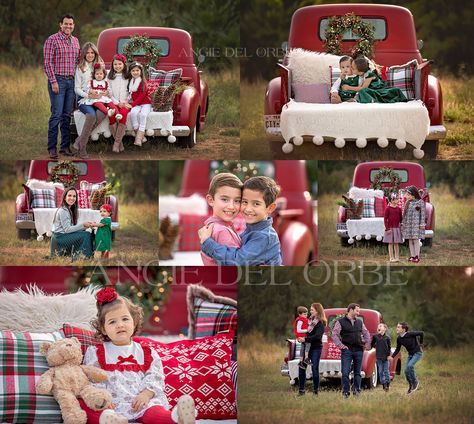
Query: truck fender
[429,216]
[188,106]
[114,204]
[369,362]
[341,214]
[21,204]
[296,244]
[435,101]
[272,97]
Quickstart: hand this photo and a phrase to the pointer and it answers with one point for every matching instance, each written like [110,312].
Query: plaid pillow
[86,185]
[42,198]
[213,318]
[166,77]
[403,77]
[379,206]
[369,208]
[85,337]
[335,73]
[21,365]
[190,224]
[83,199]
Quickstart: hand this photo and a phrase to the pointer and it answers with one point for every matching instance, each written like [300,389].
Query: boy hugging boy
[224,197]
[260,244]
[347,77]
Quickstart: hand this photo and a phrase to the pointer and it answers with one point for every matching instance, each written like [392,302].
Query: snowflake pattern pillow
[202,369]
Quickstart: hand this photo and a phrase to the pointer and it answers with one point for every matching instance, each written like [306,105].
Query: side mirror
[284,46]
[428,184]
[419,44]
[200,59]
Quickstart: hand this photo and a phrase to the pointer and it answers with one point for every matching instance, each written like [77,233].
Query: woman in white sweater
[88,58]
[118,91]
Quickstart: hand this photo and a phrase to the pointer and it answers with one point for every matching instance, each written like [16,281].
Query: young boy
[301,329]
[338,94]
[260,244]
[224,197]
[381,342]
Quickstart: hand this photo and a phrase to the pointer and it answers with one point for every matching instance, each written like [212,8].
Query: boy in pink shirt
[224,196]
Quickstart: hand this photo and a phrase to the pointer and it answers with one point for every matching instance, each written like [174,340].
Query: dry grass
[452,244]
[24,124]
[136,241]
[458,101]
[446,393]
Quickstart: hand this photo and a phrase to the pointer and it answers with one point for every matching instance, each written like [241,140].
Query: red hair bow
[97,65]
[121,57]
[106,295]
[107,207]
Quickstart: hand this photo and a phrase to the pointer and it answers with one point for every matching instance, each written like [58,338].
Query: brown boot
[139,138]
[118,145]
[81,141]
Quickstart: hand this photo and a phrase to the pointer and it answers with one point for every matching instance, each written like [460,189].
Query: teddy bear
[68,380]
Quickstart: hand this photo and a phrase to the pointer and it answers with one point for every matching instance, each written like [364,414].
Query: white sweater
[82,80]
[118,89]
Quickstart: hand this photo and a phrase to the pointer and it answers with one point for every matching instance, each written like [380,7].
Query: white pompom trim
[339,142]
[287,148]
[318,140]
[298,140]
[361,142]
[400,143]
[382,142]
[171,138]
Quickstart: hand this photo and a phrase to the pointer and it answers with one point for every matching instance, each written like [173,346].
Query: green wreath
[65,172]
[338,25]
[381,177]
[139,42]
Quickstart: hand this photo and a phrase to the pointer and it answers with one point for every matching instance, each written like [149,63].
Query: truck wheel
[371,382]
[189,141]
[428,242]
[344,242]
[23,234]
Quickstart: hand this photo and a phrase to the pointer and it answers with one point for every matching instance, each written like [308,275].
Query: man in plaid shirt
[61,54]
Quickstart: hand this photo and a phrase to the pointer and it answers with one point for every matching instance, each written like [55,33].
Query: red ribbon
[131,359]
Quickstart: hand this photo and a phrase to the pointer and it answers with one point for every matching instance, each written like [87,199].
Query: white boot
[184,412]
[109,416]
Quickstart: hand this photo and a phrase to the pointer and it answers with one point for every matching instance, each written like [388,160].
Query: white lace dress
[130,369]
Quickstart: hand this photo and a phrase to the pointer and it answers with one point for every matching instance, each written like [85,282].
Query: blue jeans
[410,367]
[87,109]
[315,356]
[347,357]
[382,369]
[61,108]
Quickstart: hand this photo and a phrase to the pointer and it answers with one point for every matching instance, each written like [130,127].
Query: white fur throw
[40,184]
[364,193]
[309,67]
[35,311]
[194,204]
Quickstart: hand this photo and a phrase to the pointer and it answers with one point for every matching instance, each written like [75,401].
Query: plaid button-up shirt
[61,55]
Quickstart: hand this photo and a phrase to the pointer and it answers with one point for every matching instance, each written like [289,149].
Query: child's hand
[300,339]
[141,401]
[389,358]
[204,233]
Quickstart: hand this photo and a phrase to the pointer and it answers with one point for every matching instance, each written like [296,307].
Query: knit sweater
[62,222]
[82,80]
[118,89]
[410,341]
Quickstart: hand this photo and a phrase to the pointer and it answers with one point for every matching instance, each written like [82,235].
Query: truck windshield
[379,24]
[402,174]
[162,43]
[244,169]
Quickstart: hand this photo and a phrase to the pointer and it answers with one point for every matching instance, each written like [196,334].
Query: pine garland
[139,42]
[338,25]
[65,172]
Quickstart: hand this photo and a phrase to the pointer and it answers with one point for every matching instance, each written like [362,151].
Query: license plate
[28,216]
[272,121]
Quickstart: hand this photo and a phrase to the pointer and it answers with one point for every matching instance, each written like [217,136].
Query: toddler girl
[99,85]
[135,373]
[141,103]
[103,235]
[393,235]
[118,89]
[413,222]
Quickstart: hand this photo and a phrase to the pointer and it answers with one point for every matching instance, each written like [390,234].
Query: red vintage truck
[410,173]
[330,364]
[190,106]
[294,219]
[91,171]
[396,44]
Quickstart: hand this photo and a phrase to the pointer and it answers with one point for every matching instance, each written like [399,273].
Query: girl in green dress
[373,89]
[103,236]
[347,77]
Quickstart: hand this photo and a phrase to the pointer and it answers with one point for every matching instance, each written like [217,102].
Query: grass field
[136,241]
[458,102]
[445,395]
[24,124]
[453,241]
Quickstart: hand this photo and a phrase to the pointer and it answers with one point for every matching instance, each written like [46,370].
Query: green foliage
[170,172]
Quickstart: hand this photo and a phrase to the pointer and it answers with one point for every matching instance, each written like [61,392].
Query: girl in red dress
[393,235]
